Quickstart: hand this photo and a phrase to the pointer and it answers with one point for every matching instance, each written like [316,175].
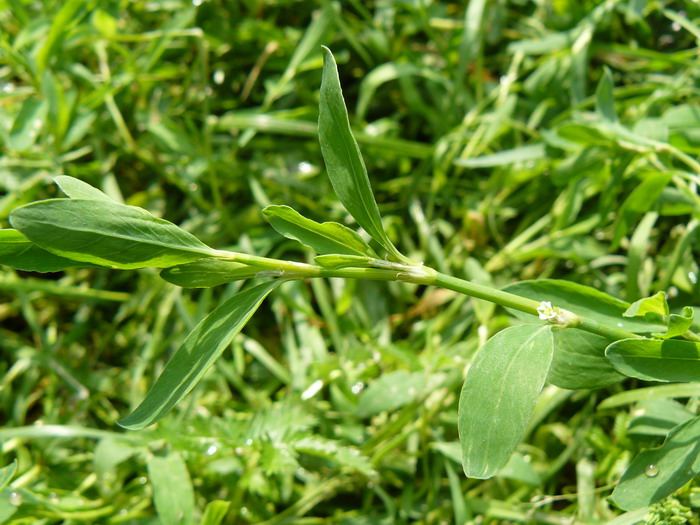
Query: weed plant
[536,157]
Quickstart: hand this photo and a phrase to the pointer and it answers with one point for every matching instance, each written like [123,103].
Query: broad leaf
[107,233]
[499,396]
[173,493]
[207,273]
[670,360]
[584,301]
[678,324]
[20,253]
[657,417]
[579,361]
[198,352]
[392,390]
[326,238]
[654,474]
[346,168]
[77,189]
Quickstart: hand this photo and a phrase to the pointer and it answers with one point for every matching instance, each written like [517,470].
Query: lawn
[528,224]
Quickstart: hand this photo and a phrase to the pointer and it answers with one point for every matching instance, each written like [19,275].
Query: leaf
[499,396]
[579,361]
[197,353]
[173,493]
[604,99]
[655,360]
[77,189]
[346,168]
[503,158]
[326,238]
[343,261]
[7,473]
[27,125]
[215,512]
[107,233]
[391,391]
[654,474]
[20,253]
[656,304]
[207,273]
[582,300]
[678,324]
[656,417]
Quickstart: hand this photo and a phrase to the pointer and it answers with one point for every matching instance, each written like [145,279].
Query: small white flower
[546,311]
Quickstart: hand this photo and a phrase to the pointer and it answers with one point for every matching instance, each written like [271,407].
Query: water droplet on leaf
[651,471]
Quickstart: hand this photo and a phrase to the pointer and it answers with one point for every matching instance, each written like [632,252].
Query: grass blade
[199,351]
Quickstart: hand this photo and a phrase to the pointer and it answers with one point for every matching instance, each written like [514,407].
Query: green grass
[492,158]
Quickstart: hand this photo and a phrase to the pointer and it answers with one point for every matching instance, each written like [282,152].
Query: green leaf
[604,100]
[579,361]
[390,391]
[215,512]
[343,261]
[7,473]
[326,238]
[679,324]
[499,396]
[20,253]
[27,125]
[346,168]
[207,273]
[657,417]
[504,158]
[107,233]
[584,301]
[655,360]
[173,493]
[656,304]
[77,189]
[654,474]
[198,352]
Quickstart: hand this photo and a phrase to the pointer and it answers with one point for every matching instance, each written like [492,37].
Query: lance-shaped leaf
[20,253]
[107,233]
[77,189]
[173,493]
[325,238]
[207,273]
[654,474]
[343,159]
[499,396]
[198,352]
[669,360]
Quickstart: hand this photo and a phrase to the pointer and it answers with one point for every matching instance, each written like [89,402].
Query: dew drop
[219,77]
[15,498]
[123,512]
[143,480]
[357,387]
[692,277]
[212,450]
[238,451]
[196,3]
[651,471]
[248,442]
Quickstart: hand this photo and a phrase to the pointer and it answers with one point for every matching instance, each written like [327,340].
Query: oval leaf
[326,238]
[654,474]
[77,189]
[107,233]
[584,301]
[669,360]
[499,396]
[198,352]
[207,273]
[20,253]
[344,163]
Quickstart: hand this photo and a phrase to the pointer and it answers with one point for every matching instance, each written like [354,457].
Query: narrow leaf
[654,474]
[7,473]
[343,261]
[173,493]
[604,100]
[344,163]
[207,273]
[198,352]
[656,360]
[107,233]
[20,253]
[499,396]
[325,238]
[77,189]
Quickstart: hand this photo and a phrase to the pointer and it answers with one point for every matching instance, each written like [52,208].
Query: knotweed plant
[572,336]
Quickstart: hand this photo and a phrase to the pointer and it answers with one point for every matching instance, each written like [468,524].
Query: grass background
[491,158]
